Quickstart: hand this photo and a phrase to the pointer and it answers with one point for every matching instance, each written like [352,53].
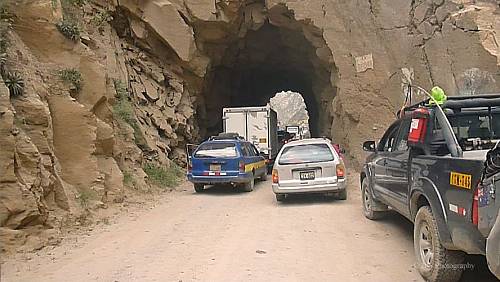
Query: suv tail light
[340,171]
[276,177]
[475,206]
[242,166]
[190,166]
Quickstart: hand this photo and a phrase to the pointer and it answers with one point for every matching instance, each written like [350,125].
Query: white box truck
[258,125]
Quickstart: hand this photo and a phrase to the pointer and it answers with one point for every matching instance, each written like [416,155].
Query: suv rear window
[308,153]
[216,150]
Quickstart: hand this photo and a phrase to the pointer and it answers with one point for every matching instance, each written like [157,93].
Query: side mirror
[369,146]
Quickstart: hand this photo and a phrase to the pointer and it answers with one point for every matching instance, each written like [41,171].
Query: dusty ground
[226,236]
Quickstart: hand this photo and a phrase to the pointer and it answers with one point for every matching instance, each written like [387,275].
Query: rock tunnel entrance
[279,54]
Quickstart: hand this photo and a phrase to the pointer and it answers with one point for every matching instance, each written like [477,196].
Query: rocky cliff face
[144,78]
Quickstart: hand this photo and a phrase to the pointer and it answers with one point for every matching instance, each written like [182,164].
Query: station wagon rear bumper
[321,188]
[240,178]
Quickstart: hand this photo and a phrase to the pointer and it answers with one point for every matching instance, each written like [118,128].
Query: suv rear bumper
[322,188]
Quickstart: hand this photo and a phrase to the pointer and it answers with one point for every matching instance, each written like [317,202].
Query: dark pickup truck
[428,167]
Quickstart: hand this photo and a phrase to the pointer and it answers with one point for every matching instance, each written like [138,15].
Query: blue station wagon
[226,161]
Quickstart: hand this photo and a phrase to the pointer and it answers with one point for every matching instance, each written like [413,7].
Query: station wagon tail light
[340,171]
[475,207]
[276,177]
[242,166]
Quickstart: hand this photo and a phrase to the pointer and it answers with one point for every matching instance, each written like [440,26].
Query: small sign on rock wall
[364,62]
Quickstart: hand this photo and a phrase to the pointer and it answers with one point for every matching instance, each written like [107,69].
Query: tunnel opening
[251,63]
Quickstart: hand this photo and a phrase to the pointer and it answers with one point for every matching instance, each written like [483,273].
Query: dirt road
[221,235]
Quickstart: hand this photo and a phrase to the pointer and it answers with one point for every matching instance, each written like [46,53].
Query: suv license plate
[215,167]
[307,175]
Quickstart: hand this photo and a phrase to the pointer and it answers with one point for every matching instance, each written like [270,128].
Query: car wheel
[369,203]
[342,195]
[248,187]
[280,197]
[434,262]
[199,187]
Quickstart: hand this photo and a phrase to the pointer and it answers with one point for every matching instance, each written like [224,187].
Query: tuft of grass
[69,29]
[74,2]
[85,197]
[15,83]
[123,110]
[128,179]
[72,76]
[101,18]
[164,177]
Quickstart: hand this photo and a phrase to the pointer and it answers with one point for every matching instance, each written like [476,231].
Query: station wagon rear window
[216,150]
[308,153]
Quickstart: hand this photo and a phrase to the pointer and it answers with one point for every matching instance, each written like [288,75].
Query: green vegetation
[54,4]
[85,197]
[72,76]
[123,108]
[124,111]
[101,18]
[164,177]
[74,2]
[69,29]
[15,83]
[128,179]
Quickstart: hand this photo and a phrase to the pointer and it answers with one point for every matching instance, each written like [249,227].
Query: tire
[248,187]
[199,187]
[280,197]
[434,262]
[369,203]
[342,195]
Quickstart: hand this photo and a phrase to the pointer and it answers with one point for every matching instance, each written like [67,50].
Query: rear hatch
[307,164]
[216,159]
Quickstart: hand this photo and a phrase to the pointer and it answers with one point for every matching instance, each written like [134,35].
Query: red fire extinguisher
[418,128]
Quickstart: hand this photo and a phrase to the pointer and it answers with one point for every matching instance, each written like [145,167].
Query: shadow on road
[229,190]
[309,199]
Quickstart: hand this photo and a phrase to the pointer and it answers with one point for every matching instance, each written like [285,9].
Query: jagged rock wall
[64,153]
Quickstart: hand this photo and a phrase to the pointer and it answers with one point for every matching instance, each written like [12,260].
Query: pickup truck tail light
[276,177]
[340,171]
[242,166]
[475,207]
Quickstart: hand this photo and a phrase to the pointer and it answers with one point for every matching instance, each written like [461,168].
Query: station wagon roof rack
[226,136]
